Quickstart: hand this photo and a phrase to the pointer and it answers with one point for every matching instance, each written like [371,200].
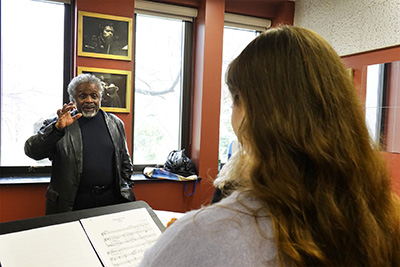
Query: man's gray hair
[83,78]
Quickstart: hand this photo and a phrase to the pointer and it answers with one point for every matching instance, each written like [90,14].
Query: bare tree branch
[157,93]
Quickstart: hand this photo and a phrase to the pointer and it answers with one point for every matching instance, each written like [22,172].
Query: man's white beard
[90,114]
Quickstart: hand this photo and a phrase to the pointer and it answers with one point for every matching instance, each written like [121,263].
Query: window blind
[246,22]
[165,10]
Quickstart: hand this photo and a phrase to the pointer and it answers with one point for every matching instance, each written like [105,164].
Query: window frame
[186,97]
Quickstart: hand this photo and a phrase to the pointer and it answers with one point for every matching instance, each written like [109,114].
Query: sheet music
[121,239]
[57,245]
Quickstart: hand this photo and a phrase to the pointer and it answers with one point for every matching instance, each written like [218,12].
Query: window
[235,40]
[239,31]
[162,85]
[32,73]
[374,102]
[382,105]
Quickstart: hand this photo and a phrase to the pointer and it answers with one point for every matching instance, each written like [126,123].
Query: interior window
[159,72]
[235,40]
[32,68]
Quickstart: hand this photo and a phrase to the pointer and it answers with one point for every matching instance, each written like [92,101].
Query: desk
[166,216]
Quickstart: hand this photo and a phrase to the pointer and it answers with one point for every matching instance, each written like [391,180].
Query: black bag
[178,163]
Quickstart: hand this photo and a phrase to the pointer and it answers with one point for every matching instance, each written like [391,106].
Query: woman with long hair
[310,187]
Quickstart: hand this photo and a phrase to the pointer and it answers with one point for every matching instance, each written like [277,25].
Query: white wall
[351,26]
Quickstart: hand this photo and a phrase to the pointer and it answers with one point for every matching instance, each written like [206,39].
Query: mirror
[382,113]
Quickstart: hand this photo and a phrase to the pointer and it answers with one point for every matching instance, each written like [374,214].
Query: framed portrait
[117,88]
[104,36]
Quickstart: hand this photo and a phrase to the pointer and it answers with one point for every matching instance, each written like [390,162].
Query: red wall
[19,202]
[359,62]
[207,94]
[121,8]
[22,201]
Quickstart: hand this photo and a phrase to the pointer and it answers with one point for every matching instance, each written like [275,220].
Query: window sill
[24,180]
[137,177]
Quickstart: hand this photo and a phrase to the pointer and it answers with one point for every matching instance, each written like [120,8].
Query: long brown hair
[311,160]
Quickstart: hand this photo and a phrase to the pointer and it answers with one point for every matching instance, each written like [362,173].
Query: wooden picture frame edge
[81,14]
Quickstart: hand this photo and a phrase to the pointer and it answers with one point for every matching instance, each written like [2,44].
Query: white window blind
[165,10]
[246,22]
[55,1]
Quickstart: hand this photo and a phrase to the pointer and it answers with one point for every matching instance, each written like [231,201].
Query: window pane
[157,88]
[32,46]
[235,40]
[373,100]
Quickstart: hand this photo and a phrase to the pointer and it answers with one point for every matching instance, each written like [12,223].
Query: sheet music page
[57,245]
[121,238]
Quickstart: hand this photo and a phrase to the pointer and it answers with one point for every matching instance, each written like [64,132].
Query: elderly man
[91,162]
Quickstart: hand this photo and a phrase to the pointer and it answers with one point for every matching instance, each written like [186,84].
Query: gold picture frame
[104,36]
[117,88]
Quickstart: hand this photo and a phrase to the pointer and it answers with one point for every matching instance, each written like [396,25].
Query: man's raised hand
[64,116]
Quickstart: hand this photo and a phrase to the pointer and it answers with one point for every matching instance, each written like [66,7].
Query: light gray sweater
[223,234]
